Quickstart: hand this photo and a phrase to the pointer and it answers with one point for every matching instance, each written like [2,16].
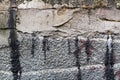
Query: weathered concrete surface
[41,20]
[4,4]
[60,22]
[69,21]
[4,35]
[60,53]
[4,15]
[5,59]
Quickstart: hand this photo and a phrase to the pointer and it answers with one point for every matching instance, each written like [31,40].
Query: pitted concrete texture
[46,31]
[91,72]
[60,53]
[5,59]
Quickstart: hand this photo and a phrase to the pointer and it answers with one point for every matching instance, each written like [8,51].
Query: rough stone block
[43,20]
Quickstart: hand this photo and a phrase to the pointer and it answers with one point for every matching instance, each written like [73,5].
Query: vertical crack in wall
[14,44]
[76,53]
[109,60]
[45,46]
[33,44]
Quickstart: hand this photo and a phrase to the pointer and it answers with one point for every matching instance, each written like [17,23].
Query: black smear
[14,45]
[76,53]
[109,63]
[33,44]
[69,50]
[45,46]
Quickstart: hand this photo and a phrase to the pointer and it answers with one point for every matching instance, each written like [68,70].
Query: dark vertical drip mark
[60,2]
[52,2]
[111,3]
[67,2]
[45,1]
[89,13]
[76,53]
[45,46]
[69,50]
[33,44]
[14,45]
[87,49]
[109,60]
[77,3]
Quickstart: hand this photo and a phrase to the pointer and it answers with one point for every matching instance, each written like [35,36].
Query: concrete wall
[42,35]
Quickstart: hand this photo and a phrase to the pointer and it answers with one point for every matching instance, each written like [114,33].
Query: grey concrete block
[60,54]
[94,72]
[56,57]
[5,59]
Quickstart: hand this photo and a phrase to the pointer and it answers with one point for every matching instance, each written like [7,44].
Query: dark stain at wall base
[14,45]
[109,59]
[76,53]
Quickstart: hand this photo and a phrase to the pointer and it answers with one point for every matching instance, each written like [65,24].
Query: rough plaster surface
[59,22]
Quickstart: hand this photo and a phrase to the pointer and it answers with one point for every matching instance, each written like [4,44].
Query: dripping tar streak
[45,46]
[76,53]
[109,61]
[14,45]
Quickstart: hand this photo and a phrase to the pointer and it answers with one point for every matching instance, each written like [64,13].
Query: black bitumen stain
[14,45]
[109,63]
[76,53]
